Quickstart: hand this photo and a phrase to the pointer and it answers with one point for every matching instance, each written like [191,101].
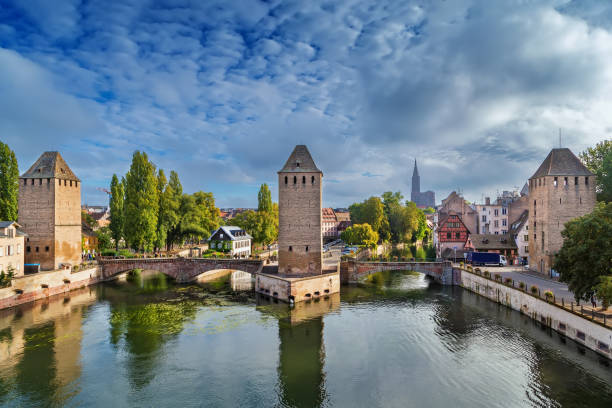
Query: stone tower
[299,215]
[560,190]
[416,184]
[50,212]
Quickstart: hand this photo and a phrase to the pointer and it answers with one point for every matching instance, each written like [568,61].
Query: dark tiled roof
[561,162]
[300,161]
[492,241]
[4,224]
[50,165]
[518,224]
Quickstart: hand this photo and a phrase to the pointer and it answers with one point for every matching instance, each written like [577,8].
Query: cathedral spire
[416,181]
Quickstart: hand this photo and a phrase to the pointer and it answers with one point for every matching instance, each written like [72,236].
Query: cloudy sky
[221,91]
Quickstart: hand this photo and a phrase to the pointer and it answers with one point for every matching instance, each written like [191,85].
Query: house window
[555,182]
[496,212]
[496,223]
[526,238]
[484,218]
[18,248]
[448,235]
[504,211]
[457,235]
[526,249]
[1,251]
[504,223]
[221,235]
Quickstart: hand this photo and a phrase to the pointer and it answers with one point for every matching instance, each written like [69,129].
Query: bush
[109,252]
[534,289]
[477,270]
[549,294]
[508,281]
[522,285]
[75,268]
[487,274]
[498,277]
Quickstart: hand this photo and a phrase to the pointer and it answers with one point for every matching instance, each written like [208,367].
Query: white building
[232,240]
[520,233]
[492,218]
[11,248]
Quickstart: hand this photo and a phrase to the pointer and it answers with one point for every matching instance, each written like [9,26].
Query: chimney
[488,200]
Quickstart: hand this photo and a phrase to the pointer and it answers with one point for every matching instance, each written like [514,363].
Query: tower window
[575,181]
[32,182]
[306,248]
[40,182]
[586,181]
[46,249]
[312,179]
[290,248]
[303,179]
[294,180]
[555,182]
[36,249]
[285,179]
[297,164]
[565,182]
[28,249]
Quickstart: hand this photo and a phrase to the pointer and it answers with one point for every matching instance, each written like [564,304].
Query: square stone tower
[299,215]
[50,212]
[560,190]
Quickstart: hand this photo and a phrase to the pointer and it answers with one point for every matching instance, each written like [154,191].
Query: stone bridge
[181,269]
[353,271]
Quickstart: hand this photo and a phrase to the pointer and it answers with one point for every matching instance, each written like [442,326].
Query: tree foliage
[598,159]
[169,205]
[372,212]
[604,291]
[261,225]
[141,203]
[360,234]
[264,199]
[9,184]
[104,238]
[586,254]
[117,217]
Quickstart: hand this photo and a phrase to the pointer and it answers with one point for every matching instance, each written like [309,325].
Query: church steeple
[416,180]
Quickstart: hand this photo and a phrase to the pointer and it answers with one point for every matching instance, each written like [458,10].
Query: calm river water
[396,342]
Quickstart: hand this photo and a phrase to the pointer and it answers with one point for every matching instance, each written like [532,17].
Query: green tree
[371,211]
[104,238]
[176,196]
[169,204]
[141,203]
[604,291]
[586,254]
[598,159]
[198,217]
[264,199]
[360,234]
[117,217]
[9,184]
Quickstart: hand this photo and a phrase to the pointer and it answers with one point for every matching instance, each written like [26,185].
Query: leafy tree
[586,254]
[360,234]
[371,211]
[9,184]
[104,238]
[598,159]
[117,216]
[604,291]
[169,204]
[176,193]
[88,219]
[198,217]
[141,203]
[264,199]
[429,210]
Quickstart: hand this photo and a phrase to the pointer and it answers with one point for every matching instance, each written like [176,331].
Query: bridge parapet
[181,269]
[352,271]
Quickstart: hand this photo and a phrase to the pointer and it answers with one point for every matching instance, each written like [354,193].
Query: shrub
[498,277]
[508,281]
[109,252]
[548,294]
[477,270]
[522,285]
[487,274]
[534,289]
[75,268]
[469,268]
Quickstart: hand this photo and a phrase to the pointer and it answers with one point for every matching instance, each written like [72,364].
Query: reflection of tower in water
[301,378]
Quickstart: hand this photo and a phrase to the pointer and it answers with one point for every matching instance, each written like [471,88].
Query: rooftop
[300,161]
[561,162]
[50,165]
[492,241]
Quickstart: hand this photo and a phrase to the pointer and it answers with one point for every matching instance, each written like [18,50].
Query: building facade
[492,218]
[232,240]
[452,234]
[11,248]
[50,213]
[560,190]
[421,199]
[520,233]
[329,224]
[299,213]
[456,204]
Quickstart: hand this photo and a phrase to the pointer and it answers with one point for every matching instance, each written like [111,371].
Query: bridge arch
[353,271]
[181,269]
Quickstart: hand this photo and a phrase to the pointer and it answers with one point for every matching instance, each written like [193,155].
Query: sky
[221,91]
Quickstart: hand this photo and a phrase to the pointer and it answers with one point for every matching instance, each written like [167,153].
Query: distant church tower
[416,184]
[299,215]
[50,212]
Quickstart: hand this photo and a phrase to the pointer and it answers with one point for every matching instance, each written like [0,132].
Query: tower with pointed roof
[50,212]
[299,215]
[560,190]
[421,199]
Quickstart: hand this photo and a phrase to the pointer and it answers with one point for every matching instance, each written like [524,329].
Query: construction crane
[103,190]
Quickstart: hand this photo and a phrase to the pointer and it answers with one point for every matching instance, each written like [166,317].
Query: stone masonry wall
[67,223]
[550,207]
[356,271]
[299,235]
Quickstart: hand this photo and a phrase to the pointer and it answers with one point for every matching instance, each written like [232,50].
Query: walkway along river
[395,340]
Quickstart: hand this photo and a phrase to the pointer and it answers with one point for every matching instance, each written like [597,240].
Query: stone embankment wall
[583,331]
[297,289]
[352,271]
[29,288]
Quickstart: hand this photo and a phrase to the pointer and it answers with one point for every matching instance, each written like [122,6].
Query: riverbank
[590,334]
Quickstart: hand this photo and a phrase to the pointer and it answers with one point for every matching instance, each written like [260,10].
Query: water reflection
[301,376]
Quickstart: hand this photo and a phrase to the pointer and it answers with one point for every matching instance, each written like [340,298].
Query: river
[396,341]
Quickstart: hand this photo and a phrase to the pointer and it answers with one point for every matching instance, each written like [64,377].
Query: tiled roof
[561,162]
[300,161]
[328,214]
[50,165]
[518,224]
[492,241]
[343,215]
[233,232]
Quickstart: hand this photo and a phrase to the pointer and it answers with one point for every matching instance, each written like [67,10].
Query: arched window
[303,179]
[285,179]
[294,180]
